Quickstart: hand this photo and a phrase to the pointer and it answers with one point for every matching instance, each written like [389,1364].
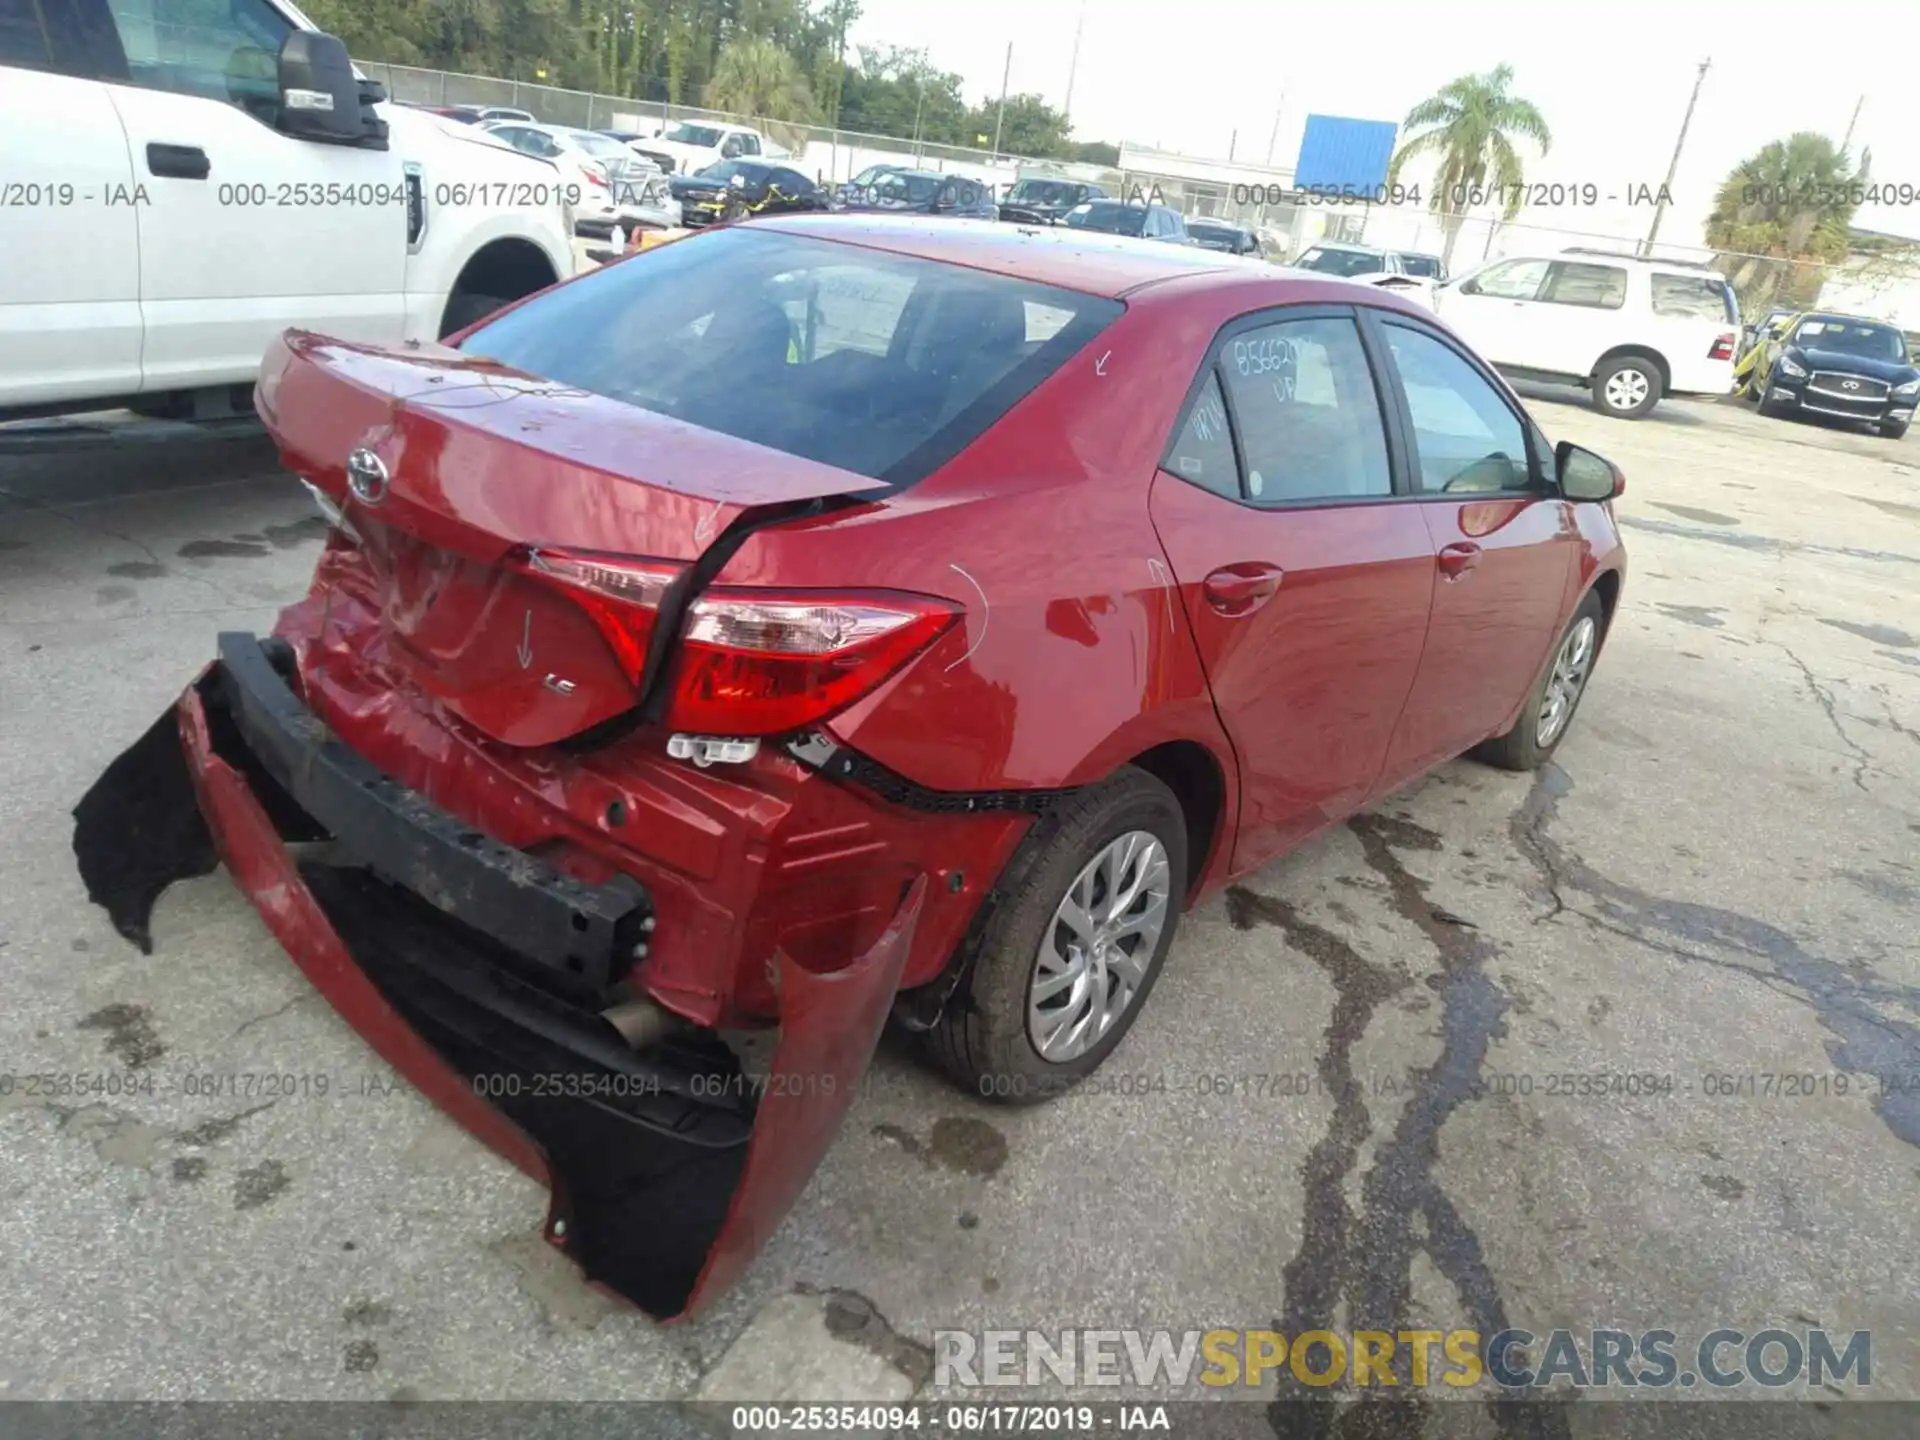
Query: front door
[1306,580]
[246,231]
[1494,311]
[1505,549]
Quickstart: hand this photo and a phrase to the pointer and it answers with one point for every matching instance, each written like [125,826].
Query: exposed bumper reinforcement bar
[669,1168]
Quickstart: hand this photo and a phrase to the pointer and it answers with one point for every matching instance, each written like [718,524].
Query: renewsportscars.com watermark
[1418,1359]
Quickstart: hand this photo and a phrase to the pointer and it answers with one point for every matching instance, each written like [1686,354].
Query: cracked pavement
[1335,1112]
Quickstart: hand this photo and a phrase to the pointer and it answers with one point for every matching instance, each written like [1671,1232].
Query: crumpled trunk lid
[461,468]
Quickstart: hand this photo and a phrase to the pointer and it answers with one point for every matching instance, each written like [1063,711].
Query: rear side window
[23,36]
[1202,452]
[1599,287]
[885,365]
[1309,418]
[1694,297]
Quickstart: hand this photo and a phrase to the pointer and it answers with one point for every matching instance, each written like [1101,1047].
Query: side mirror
[1469,286]
[1584,475]
[1777,331]
[320,96]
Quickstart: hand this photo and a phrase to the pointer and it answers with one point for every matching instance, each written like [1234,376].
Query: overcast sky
[1612,80]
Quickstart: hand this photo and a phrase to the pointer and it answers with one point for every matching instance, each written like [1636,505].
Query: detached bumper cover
[668,1168]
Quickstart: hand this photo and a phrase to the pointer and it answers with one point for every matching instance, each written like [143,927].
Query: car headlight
[1908,390]
[1792,367]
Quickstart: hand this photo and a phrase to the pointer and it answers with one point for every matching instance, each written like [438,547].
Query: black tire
[1619,364]
[1520,748]
[981,1039]
[464,309]
[1894,432]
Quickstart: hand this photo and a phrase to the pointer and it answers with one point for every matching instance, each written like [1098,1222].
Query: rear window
[1344,263]
[1112,217]
[1694,297]
[885,365]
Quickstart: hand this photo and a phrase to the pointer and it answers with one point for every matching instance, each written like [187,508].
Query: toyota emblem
[367,477]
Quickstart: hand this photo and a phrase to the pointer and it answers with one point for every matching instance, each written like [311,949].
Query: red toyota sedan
[834,617]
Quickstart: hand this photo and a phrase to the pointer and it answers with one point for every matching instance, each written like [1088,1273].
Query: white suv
[1628,330]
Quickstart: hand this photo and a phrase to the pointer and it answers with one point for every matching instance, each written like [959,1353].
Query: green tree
[755,77]
[1030,126]
[1782,216]
[1468,129]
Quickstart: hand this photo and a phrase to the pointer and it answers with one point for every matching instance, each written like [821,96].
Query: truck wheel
[1626,387]
[464,309]
[1548,712]
[1081,925]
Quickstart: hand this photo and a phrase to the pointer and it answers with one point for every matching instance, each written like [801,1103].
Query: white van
[1626,329]
[179,182]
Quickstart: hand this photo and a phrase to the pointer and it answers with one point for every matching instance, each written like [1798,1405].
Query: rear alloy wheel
[1555,695]
[1079,928]
[1627,386]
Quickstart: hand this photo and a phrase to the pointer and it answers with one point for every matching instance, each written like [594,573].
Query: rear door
[70,277]
[1304,570]
[1504,546]
[1578,316]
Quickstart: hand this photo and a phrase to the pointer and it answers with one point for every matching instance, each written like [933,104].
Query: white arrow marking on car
[1100,365]
[525,650]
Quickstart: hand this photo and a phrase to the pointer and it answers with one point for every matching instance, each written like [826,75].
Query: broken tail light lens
[620,593]
[1722,348]
[757,662]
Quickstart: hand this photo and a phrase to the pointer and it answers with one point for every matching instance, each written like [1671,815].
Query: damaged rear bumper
[480,973]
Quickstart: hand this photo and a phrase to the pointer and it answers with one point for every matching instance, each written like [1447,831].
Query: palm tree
[758,79]
[1781,217]
[1470,126]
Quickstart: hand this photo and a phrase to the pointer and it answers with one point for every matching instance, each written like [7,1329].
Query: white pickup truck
[179,182]
[689,146]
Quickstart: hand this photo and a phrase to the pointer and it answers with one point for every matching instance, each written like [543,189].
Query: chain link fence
[833,154]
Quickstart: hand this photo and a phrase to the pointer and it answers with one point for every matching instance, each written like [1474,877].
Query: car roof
[1090,261]
[1849,319]
[1348,246]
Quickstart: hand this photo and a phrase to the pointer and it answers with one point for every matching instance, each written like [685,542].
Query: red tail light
[621,593]
[760,662]
[751,662]
[594,177]
[1722,348]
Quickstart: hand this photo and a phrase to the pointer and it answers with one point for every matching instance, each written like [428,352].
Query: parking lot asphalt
[1714,887]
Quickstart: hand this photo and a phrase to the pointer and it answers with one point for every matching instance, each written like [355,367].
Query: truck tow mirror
[321,98]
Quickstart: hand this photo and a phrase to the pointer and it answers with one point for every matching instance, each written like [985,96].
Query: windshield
[601,145]
[727,169]
[1344,263]
[1115,219]
[1044,192]
[867,176]
[1851,337]
[881,364]
[893,189]
[687,133]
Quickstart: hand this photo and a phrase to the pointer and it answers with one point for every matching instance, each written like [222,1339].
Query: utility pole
[1074,64]
[1660,203]
[839,88]
[1233,143]
[1847,143]
[918,105]
[1274,139]
[1005,76]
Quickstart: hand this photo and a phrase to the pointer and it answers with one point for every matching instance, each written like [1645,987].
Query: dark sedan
[1838,365]
[740,189]
[921,192]
[1218,235]
[1037,200]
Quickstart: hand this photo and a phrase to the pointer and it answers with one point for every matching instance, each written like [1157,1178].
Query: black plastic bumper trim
[820,752]
[584,933]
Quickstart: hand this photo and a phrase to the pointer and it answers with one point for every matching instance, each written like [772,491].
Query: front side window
[1510,280]
[23,36]
[228,52]
[1308,415]
[880,364]
[1468,440]
[1597,287]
